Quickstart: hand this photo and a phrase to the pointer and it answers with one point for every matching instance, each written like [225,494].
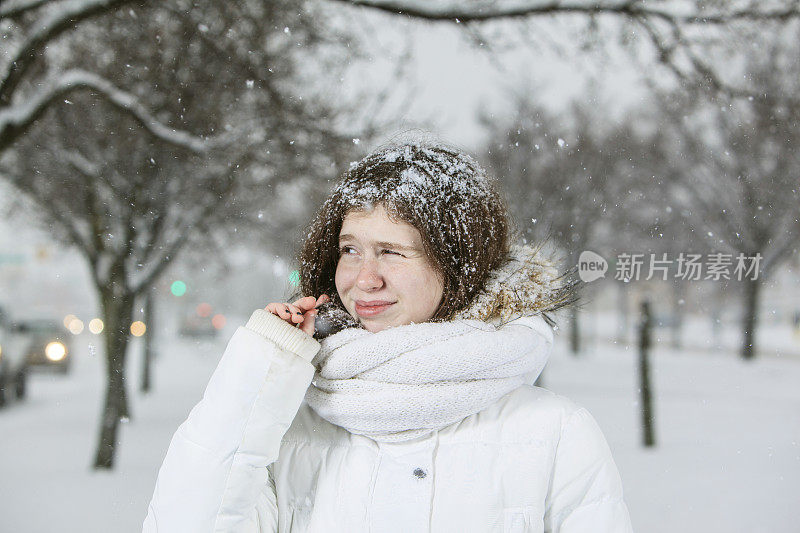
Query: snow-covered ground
[727,460]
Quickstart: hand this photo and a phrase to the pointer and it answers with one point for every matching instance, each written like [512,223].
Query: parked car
[195,326]
[13,365]
[48,345]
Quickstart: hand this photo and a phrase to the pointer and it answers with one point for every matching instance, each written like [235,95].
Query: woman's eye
[346,250]
[391,252]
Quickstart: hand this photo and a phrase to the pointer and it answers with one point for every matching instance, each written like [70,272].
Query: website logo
[591,266]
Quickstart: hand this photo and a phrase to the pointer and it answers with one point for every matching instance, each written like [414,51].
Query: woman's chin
[374,325]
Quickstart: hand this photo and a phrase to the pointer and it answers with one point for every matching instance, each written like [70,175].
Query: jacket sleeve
[585,494]
[215,476]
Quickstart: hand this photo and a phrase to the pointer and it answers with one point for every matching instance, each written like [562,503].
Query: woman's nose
[369,278]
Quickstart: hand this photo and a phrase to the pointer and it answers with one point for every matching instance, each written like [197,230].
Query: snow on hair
[442,192]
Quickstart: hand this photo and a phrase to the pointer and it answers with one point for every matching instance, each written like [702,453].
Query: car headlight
[55,351]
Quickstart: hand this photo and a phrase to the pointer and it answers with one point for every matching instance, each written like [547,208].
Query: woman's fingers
[306,303]
[299,313]
[286,312]
[308,321]
[281,310]
[296,313]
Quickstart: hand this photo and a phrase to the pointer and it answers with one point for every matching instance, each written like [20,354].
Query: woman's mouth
[371,308]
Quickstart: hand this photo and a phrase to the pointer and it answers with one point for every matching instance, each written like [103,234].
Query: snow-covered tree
[564,175]
[29,83]
[738,174]
[95,105]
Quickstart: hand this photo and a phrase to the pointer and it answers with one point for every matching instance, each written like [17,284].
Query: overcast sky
[452,78]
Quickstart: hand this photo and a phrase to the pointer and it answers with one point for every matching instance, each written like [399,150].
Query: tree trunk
[574,331]
[117,313]
[147,357]
[646,326]
[622,315]
[715,314]
[676,324]
[752,289]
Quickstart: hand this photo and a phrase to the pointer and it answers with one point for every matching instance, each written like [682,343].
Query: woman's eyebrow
[396,246]
[382,244]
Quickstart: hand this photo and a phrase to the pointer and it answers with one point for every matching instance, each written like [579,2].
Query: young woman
[413,409]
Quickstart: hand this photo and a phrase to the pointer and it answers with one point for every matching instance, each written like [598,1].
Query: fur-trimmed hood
[526,284]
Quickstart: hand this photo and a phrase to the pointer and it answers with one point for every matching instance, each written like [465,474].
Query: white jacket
[252,457]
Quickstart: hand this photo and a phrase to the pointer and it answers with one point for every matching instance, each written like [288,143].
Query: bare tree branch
[16,120]
[51,26]
[483,15]
[671,45]
[63,220]
[172,249]
[166,258]
[15,9]
[701,71]
[631,8]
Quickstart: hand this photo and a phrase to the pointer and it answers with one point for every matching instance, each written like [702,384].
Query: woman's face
[383,277]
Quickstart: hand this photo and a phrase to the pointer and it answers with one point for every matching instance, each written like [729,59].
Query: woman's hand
[299,313]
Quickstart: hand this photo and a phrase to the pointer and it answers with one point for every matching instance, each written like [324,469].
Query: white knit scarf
[404,382]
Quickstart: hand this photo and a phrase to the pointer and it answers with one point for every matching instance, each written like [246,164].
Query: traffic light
[178,288]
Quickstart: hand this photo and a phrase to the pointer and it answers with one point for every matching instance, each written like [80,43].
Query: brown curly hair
[442,192]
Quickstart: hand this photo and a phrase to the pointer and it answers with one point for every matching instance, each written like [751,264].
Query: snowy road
[728,458]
